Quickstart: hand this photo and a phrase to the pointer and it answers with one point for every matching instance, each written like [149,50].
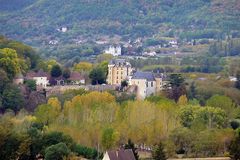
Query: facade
[147,84]
[41,78]
[115,51]
[119,155]
[118,71]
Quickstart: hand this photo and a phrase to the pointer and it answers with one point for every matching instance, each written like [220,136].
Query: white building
[147,84]
[173,43]
[115,51]
[41,78]
[62,29]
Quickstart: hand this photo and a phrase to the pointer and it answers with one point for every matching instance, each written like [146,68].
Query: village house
[75,79]
[146,83]
[119,155]
[42,78]
[118,71]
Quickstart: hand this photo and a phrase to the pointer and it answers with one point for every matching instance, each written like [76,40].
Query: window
[151,84]
[146,84]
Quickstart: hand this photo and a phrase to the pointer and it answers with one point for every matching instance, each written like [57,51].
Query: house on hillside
[42,78]
[118,71]
[119,155]
[146,83]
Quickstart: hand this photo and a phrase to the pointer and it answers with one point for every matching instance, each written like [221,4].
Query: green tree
[57,152]
[31,84]
[224,103]
[12,99]
[158,152]
[4,81]
[66,73]
[9,62]
[56,71]
[97,76]
[176,82]
[131,145]
[192,91]
[108,138]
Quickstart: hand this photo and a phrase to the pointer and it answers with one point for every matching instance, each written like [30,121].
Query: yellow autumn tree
[83,67]
[183,100]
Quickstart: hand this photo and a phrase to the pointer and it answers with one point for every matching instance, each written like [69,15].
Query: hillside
[36,21]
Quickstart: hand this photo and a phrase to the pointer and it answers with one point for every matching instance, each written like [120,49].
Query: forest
[35,22]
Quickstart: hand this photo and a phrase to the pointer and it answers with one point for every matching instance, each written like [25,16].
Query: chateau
[118,71]
[115,51]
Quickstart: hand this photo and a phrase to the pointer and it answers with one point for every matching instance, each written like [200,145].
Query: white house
[115,51]
[121,154]
[147,84]
[41,78]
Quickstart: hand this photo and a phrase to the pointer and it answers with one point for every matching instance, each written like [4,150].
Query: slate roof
[144,75]
[119,62]
[121,155]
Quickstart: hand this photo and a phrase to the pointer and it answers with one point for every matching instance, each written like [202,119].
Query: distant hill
[36,21]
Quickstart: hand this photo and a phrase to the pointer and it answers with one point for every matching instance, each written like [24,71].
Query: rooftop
[119,62]
[144,75]
[121,155]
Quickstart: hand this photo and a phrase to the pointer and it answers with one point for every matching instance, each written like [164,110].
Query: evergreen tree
[66,73]
[130,145]
[234,148]
[192,91]
[97,76]
[56,71]
[158,152]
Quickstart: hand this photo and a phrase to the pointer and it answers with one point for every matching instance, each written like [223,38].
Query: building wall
[117,74]
[146,88]
[159,84]
[41,81]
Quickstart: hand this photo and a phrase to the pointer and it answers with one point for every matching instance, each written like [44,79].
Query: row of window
[150,84]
